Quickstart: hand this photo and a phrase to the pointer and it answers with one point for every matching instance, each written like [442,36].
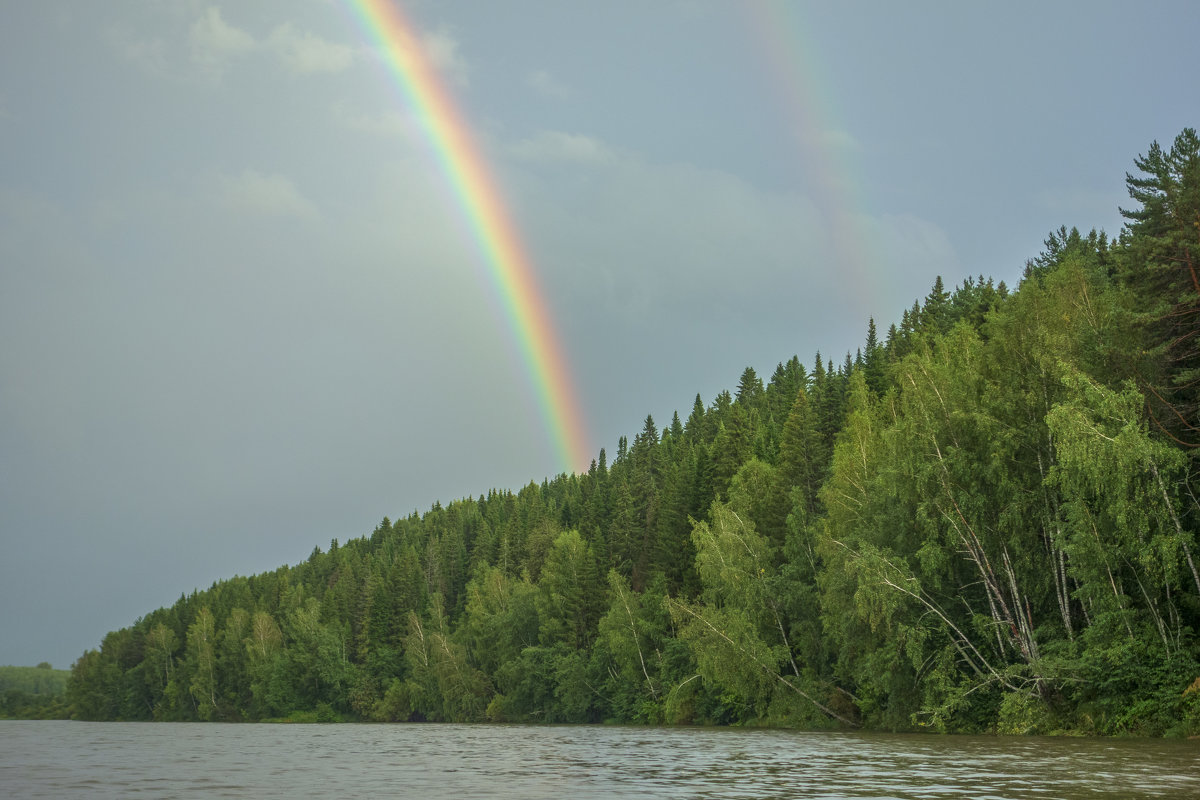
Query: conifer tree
[802,455]
[873,360]
[1161,263]
[750,389]
[935,314]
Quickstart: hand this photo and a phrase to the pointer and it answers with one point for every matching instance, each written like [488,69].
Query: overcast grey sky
[241,313]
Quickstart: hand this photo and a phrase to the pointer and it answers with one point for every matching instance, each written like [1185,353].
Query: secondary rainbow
[509,267]
[780,35]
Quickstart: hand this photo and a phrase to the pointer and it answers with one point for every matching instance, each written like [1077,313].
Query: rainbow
[780,36]
[510,268]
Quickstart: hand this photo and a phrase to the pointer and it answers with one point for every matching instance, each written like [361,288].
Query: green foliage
[628,651]
[986,522]
[40,680]
[33,692]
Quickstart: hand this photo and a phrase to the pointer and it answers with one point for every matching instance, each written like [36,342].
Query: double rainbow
[508,264]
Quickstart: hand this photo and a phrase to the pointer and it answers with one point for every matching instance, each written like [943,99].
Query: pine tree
[750,389]
[695,428]
[802,455]
[645,480]
[1161,264]
[873,360]
[935,314]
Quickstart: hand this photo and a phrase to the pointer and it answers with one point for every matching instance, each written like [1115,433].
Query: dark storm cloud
[242,313]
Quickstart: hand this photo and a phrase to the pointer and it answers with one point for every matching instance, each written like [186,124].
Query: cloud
[391,124]
[656,245]
[305,53]
[547,85]
[550,146]
[215,43]
[148,55]
[253,192]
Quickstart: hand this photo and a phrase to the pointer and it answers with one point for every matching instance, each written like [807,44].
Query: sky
[243,310]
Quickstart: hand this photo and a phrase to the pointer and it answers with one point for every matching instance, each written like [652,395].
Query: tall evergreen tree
[873,360]
[1161,263]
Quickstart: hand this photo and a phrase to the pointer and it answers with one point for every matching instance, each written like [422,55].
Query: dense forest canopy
[984,520]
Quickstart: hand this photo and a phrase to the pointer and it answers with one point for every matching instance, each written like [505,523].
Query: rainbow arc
[508,265]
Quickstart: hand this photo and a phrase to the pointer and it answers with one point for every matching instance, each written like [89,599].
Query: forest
[985,520]
[33,692]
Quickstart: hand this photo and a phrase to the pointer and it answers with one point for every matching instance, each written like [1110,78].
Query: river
[56,759]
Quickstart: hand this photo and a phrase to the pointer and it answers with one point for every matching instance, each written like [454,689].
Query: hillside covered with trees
[984,520]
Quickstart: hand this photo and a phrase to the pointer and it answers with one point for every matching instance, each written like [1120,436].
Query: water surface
[110,759]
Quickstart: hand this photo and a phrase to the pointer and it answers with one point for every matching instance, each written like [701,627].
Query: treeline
[985,520]
[33,692]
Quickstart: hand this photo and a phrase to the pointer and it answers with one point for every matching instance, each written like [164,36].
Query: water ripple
[75,759]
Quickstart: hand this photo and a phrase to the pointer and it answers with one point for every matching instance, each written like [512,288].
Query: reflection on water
[79,759]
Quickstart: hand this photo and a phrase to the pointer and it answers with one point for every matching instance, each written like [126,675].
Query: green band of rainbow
[509,266]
